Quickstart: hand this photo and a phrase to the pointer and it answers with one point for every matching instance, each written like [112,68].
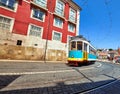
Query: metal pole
[46,44]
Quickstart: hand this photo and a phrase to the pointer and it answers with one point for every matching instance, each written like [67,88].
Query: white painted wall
[78,22]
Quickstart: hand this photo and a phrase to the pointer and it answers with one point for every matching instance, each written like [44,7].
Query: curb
[6,60]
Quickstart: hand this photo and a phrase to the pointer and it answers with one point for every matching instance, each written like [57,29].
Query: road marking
[87,68]
[99,65]
[44,72]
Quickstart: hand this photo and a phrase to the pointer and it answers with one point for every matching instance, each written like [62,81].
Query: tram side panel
[92,57]
[75,56]
[92,54]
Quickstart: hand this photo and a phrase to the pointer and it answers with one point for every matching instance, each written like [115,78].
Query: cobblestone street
[57,78]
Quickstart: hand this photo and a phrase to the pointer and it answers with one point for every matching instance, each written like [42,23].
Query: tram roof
[80,37]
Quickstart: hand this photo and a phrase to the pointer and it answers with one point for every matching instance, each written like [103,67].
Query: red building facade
[38,23]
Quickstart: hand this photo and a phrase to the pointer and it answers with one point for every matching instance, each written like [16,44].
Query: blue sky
[100,22]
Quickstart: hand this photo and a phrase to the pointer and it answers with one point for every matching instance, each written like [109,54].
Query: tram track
[96,88]
[102,86]
[92,90]
[63,80]
[45,82]
[86,81]
[46,72]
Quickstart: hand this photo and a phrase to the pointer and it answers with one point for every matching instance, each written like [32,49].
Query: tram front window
[73,45]
[79,45]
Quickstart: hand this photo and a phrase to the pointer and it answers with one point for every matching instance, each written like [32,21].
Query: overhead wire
[107,2]
[84,3]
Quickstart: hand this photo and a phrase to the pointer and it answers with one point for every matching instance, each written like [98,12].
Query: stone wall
[15,52]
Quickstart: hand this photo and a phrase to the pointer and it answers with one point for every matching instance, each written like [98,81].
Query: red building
[43,24]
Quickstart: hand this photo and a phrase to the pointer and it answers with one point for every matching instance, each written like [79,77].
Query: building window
[5,23]
[8,3]
[42,3]
[71,27]
[72,15]
[59,9]
[57,36]
[35,31]
[19,42]
[58,22]
[38,14]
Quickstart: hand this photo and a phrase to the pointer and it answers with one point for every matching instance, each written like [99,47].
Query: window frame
[56,8]
[85,47]
[7,8]
[11,23]
[58,22]
[32,15]
[29,28]
[81,45]
[70,24]
[53,36]
[92,50]
[45,4]
[70,16]
[71,45]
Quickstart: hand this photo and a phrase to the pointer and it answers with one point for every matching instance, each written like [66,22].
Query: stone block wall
[14,52]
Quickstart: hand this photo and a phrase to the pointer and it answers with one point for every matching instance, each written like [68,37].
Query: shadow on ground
[61,88]
[7,79]
[81,64]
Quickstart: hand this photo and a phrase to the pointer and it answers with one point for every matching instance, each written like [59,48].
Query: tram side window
[85,47]
[92,51]
[79,45]
[73,45]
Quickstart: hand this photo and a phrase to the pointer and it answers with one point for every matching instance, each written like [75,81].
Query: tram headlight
[72,56]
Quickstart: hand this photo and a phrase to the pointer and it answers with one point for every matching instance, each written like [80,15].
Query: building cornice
[74,5]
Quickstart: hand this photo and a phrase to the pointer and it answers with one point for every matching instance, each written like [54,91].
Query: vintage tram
[81,51]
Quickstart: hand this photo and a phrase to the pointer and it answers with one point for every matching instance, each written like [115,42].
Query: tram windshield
[76,45]
[73,45]
[79,45]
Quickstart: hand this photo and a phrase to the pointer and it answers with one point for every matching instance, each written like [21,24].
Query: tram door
[85,54]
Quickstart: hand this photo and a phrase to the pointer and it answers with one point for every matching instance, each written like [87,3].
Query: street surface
[59,78]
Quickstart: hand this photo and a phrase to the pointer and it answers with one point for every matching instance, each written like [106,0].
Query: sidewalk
[20,66]
[8,60]
[101,60]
